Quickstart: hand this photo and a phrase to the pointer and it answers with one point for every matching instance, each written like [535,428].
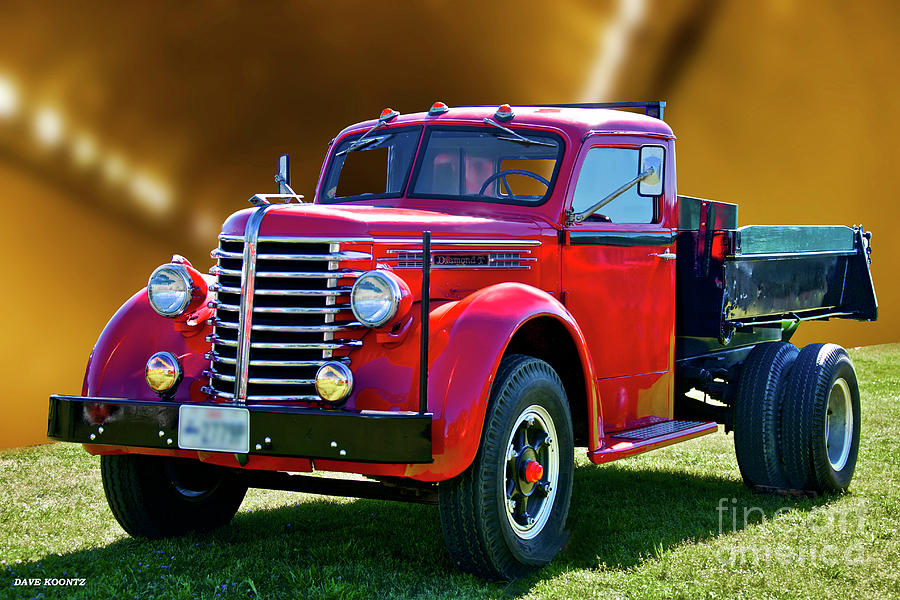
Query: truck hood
[355,221]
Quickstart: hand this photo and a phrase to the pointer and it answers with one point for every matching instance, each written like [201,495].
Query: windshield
[492,164]
[374,167]
[486,163]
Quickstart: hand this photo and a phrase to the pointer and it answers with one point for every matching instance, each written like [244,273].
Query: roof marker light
[438,108]
[504,113]
[388,114]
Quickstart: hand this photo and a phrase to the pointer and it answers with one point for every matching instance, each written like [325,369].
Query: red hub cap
[533,471]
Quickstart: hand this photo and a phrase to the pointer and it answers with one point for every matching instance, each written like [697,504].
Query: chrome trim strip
[285,310]
[411,241]
[460,251]
[292,328]
[345,290]
[300,240]
[451,267]
[290,274]
[275,363]
[299,398]
[787,255]
[261,380]
[340,344]
[336,345]
[346,255]
[490,258]
[248,284]
[436,241]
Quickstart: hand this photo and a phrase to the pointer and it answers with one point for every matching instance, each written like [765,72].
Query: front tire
[821,420]
[506,514]
[156,496]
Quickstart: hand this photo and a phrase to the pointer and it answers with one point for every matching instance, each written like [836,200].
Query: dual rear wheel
[797,418]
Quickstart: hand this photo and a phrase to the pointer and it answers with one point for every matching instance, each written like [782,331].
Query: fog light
[334,381]
[162,372]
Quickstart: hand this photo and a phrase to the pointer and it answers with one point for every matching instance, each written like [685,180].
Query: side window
[605,170]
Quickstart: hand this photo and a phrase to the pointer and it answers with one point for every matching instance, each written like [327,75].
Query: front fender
[469,340]
[116,366]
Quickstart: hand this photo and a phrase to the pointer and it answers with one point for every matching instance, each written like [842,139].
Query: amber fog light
[334,381]
[162,372]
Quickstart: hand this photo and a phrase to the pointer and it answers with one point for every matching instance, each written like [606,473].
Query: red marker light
[504,113]
[533,471]
[438,108]
[387,114]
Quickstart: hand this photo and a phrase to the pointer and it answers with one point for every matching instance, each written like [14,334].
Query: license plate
[217,429]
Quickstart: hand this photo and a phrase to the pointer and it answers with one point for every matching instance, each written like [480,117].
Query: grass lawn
[644,527]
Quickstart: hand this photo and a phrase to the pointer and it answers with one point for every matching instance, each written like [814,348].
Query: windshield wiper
[516,137]
[363,140]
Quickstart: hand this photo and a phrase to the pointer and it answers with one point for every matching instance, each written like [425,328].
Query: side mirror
[652,157]
[284,175]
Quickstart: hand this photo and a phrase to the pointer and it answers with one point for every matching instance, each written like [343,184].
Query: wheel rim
[838,424]
[529,499]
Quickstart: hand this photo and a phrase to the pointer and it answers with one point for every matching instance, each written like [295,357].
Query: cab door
[618,280]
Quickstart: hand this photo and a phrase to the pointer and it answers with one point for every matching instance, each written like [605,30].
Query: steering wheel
[501,175]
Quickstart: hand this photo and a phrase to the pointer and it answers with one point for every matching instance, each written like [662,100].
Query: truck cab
[472,293]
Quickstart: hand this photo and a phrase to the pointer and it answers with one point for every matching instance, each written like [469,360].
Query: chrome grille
[300,315]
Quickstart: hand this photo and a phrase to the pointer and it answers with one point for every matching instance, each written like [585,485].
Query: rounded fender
[116,366]
[468,341]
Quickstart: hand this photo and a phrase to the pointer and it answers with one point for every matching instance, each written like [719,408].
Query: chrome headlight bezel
[180,274]
[391,284]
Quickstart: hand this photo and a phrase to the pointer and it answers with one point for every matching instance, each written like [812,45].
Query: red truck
[472,293]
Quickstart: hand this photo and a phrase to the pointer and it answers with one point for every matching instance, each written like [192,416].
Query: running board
[629,442]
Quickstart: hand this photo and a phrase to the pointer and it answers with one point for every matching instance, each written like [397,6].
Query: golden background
[129,131]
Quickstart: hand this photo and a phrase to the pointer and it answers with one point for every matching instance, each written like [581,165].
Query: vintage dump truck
[472,293]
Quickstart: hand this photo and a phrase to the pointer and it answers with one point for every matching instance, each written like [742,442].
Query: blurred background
[129,131]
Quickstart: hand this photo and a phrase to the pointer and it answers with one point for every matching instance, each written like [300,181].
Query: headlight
[162,372]
[169,290]
[334,381]
[376,296]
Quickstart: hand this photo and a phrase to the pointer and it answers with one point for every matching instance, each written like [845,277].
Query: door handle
[666,255]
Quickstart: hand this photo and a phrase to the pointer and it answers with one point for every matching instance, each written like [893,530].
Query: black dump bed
[739,286]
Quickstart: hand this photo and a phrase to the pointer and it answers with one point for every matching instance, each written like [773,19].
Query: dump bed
[747,279]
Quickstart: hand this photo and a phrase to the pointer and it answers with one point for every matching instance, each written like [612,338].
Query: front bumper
[367,436]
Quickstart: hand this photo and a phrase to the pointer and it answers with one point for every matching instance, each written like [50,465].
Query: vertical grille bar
[245,323]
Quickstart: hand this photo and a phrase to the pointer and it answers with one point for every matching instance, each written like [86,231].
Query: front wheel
[158,496]
[506,514]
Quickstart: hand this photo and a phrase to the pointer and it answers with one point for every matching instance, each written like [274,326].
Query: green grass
[645,527]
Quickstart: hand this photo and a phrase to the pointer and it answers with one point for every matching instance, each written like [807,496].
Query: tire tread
[474,541]
[757,422]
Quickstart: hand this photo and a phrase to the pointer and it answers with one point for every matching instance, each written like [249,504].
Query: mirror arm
[579,217]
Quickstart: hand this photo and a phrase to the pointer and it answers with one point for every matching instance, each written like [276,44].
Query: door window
[605,170]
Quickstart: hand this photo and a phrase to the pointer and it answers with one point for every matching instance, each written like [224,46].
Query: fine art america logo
[821,537]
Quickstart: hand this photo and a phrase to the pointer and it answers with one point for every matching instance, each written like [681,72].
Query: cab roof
[577,121]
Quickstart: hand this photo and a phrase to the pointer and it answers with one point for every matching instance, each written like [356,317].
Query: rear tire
[498,523]
[757,414]
[157,496]
[821,420]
